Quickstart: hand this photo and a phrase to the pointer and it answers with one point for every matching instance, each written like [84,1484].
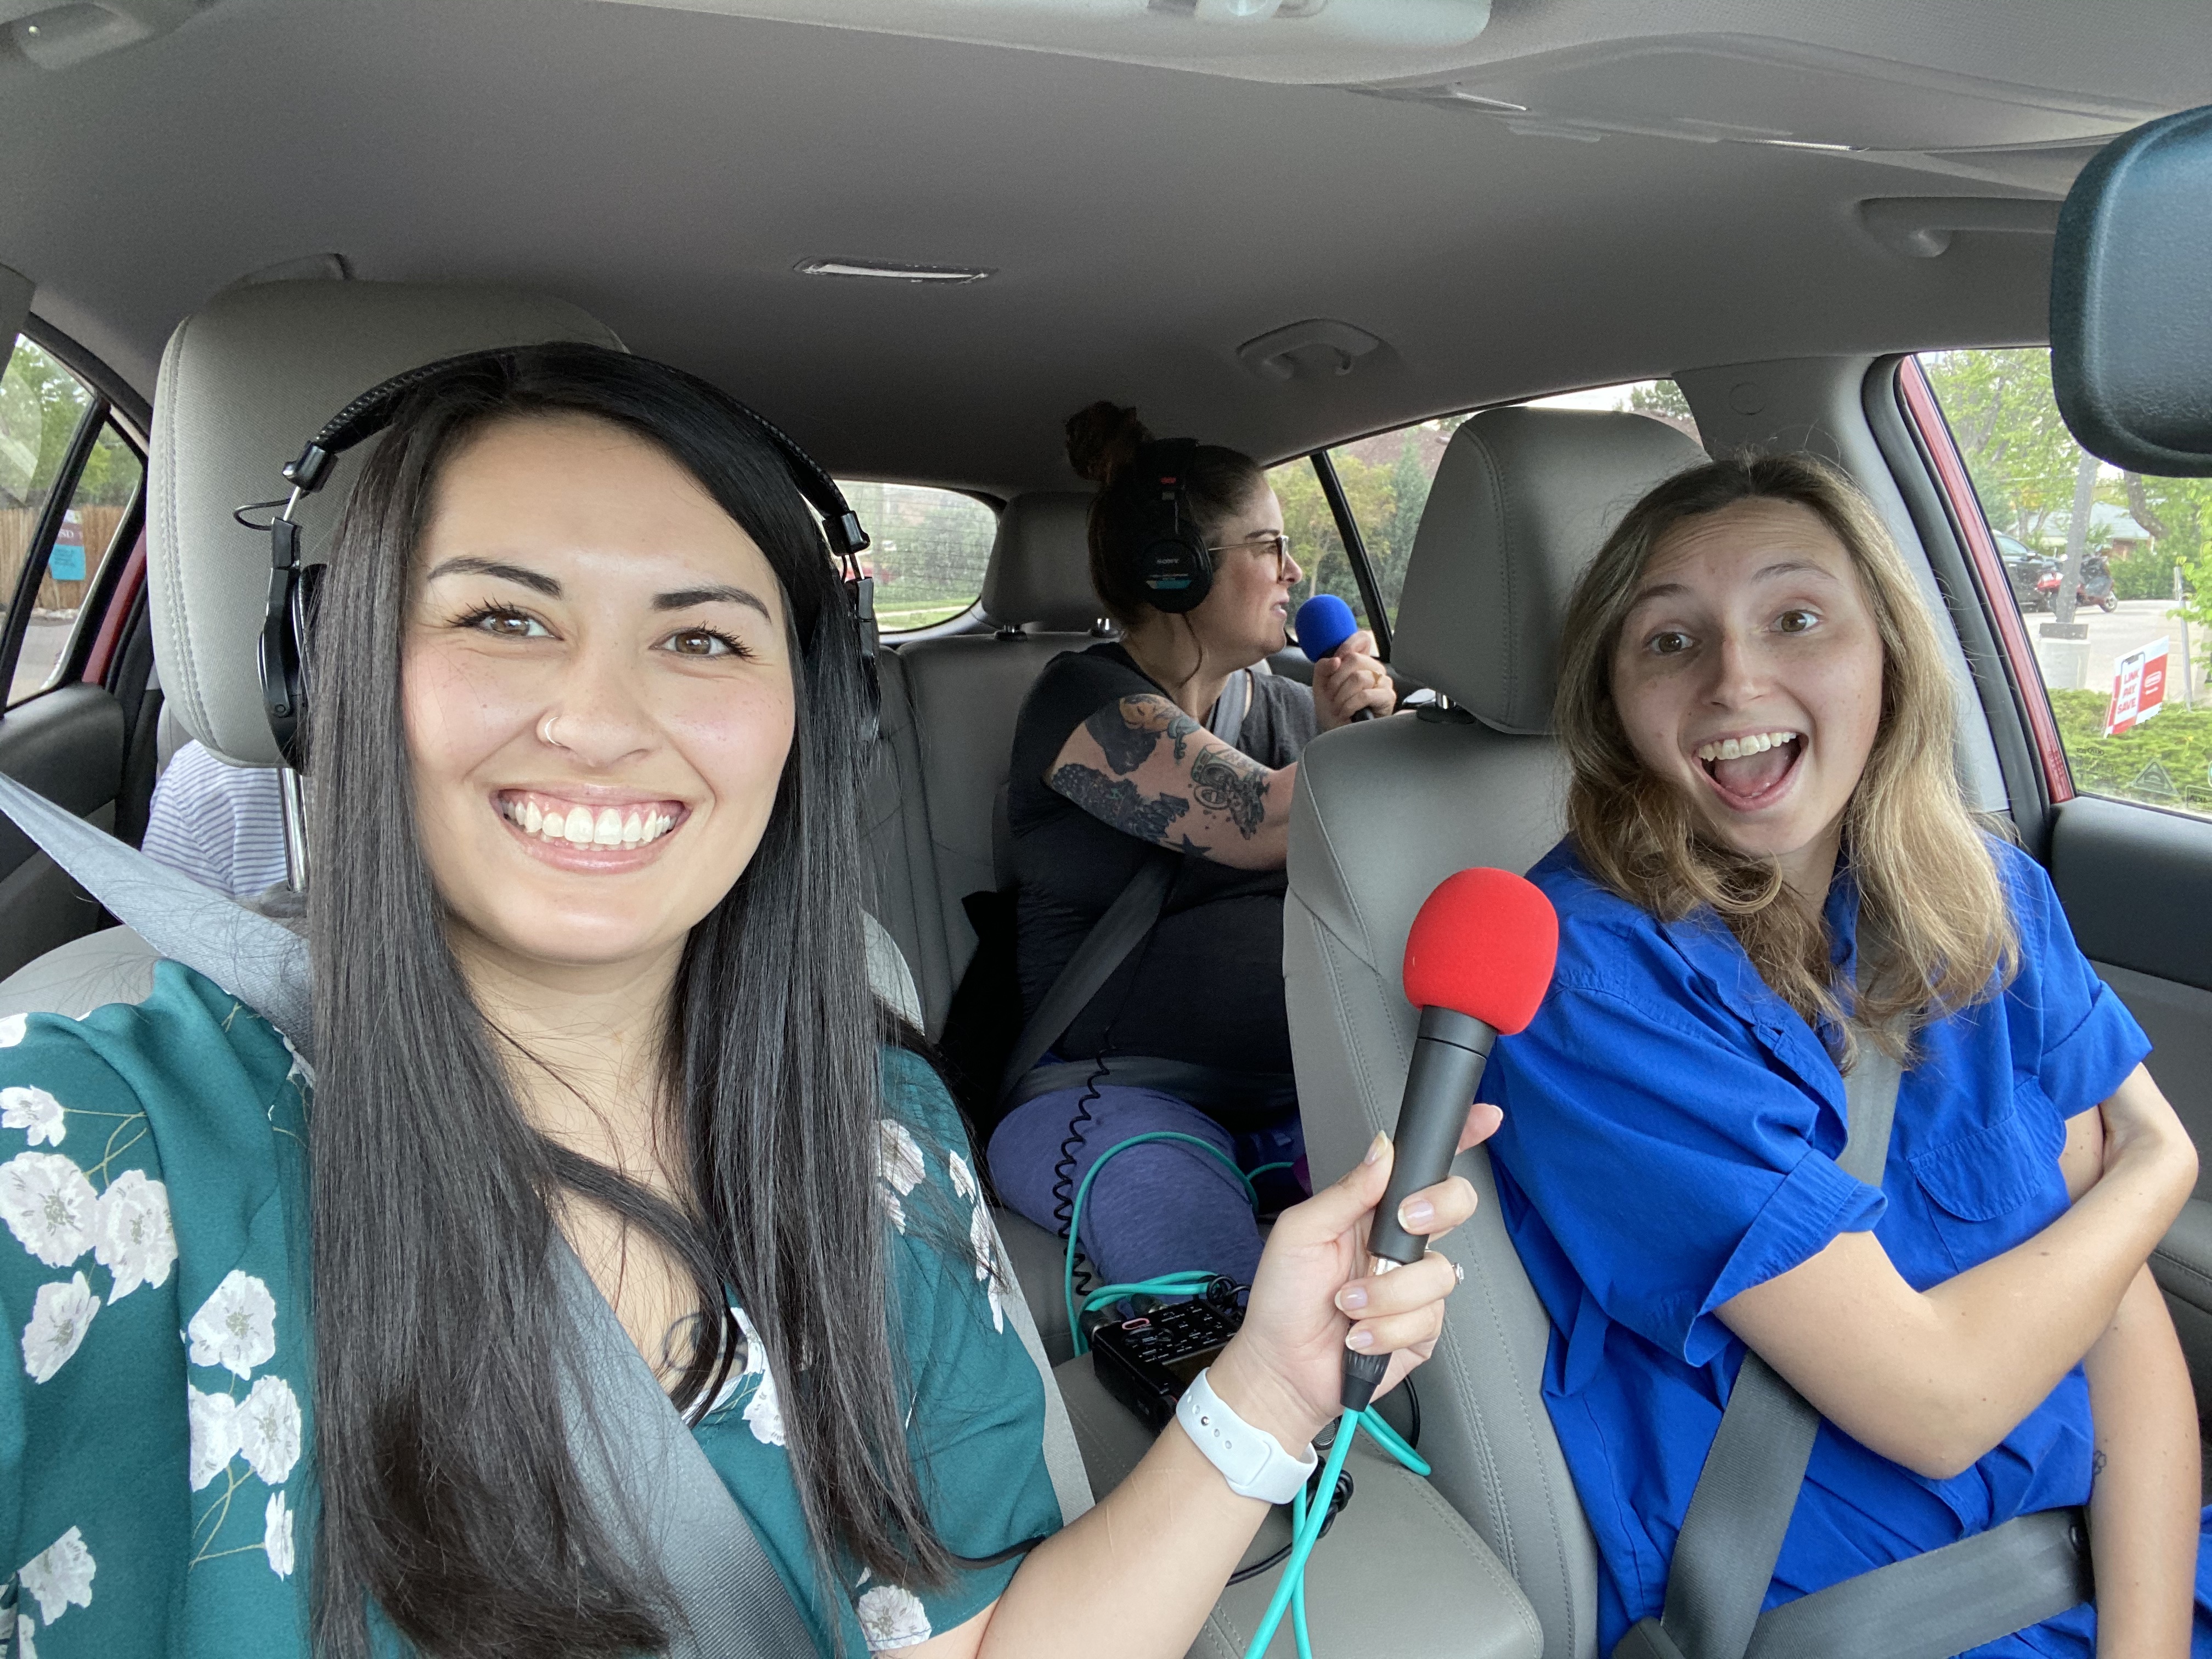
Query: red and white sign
[2138,688]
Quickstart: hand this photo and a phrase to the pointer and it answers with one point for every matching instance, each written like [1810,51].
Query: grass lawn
[2168,760]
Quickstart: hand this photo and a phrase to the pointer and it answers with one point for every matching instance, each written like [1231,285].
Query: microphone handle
[1363,714]
[1448,1057]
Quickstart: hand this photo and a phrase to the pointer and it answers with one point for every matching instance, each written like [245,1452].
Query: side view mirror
[2131,301]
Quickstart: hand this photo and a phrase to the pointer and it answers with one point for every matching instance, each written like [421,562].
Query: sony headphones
[293,588]
[1174,564]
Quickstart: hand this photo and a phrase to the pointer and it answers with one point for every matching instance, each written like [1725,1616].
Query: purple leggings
[1159,1209]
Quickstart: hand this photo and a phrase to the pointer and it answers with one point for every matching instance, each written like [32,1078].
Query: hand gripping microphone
[1478,963]
[1324,623]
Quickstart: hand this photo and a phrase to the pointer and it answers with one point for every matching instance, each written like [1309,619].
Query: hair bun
[1102,440]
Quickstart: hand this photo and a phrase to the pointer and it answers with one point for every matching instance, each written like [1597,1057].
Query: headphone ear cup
[1177,572]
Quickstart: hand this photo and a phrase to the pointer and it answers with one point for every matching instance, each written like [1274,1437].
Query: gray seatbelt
[1929,1607]
[628,1440]
[259,962]
[1125,924]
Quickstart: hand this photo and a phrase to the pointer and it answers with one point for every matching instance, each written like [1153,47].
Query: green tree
[1660,398]
[2005,421]
[40,404]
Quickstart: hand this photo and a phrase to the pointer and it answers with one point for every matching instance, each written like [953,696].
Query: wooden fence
[19,525]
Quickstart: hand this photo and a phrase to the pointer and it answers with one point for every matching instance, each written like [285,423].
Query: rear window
[930,550]
[1386,477]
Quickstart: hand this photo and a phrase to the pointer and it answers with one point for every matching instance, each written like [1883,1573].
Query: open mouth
[1751,770]
[568,824]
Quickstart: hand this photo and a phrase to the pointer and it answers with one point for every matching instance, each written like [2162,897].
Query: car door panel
[68,746]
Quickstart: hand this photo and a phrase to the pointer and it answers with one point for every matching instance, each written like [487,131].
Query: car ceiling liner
[2131,301]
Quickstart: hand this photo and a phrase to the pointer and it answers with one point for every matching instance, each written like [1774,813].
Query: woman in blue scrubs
[1758,718]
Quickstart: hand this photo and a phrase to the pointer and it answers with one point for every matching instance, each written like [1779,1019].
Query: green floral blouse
[156,1441]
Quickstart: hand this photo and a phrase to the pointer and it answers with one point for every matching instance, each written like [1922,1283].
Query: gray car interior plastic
[2131,299]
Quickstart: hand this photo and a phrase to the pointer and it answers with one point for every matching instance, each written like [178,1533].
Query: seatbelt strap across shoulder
[1121,928]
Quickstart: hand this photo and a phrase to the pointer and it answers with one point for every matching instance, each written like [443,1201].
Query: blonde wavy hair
[1929,888]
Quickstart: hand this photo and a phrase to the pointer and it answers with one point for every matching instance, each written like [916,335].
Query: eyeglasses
[1267,542]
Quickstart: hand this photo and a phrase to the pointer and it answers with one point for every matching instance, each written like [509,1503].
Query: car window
[1314,542]
[1386,477]
[83,543]
[2123,657]
[42,407]
[930,550]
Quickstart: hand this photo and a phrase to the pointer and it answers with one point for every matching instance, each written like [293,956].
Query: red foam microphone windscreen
[1483,945]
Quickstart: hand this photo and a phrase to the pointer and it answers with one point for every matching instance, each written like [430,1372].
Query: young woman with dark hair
[1114,760]
[1770,878]
[587,932]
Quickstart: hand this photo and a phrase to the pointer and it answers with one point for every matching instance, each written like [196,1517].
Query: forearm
[2143,1505]
[2010,1329]
[1932,1380]
[1135,1577]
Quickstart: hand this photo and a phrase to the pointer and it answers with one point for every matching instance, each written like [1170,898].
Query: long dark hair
[1105,442]
[448,1494]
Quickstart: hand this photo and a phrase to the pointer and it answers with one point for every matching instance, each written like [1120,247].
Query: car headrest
[2131,301]
[1521,501]
[1040,572]
[244,384]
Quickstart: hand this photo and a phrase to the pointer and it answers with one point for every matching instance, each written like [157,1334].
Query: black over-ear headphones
[293,588]
[1174,564]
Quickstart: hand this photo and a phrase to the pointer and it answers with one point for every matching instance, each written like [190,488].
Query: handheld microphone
[1477,962]
[1324,623]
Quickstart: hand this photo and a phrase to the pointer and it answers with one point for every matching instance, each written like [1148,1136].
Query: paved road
[2136,623]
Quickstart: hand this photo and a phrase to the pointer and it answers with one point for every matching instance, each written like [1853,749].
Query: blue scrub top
[1670,1137]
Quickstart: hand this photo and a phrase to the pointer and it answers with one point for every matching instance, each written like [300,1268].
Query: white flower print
[24,1647]
[131,1235]
[301,1071]
[214,1419]
[269,1429]
[763,1412]
[892,1617]
[60,1316]
[35,1111]
[898,1155]
[236,1327]
[276,1535]
[11,1033]
[983,1239]
[60,1576]
[48,1204]
[963,1178]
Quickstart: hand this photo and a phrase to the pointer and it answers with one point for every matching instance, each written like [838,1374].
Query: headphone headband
[291,593]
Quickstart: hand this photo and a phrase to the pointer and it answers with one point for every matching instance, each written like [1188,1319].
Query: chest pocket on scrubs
[1996,1186]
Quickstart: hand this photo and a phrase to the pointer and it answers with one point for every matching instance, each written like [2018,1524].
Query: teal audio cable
[1307,1518]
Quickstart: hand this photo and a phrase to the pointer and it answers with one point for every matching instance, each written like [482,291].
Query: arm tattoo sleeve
[1118,802]
[1131,729]
[1228,782]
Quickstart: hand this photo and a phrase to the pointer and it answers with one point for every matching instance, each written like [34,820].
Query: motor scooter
[2094,587]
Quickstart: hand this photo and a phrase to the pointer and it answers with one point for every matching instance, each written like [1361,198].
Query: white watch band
[1251,1459]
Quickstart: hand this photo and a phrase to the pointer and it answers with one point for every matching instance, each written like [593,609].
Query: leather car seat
[1387,809]
[948,736]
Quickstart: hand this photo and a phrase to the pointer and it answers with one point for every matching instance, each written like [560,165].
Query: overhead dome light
[884,271]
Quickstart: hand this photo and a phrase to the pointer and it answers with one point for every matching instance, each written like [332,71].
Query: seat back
[948,741]
[1387,809]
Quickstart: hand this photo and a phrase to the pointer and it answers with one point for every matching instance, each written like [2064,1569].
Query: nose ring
[545,732]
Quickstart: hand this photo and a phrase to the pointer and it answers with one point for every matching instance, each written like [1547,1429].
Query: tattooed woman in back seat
[1113,758]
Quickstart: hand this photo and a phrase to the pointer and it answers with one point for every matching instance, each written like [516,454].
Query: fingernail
[1362,1339]
[1375,1147]
[1351,1297]
[1416,1213]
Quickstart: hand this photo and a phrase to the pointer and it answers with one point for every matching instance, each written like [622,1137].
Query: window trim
[62,493]
[1355,549]
[1925,416]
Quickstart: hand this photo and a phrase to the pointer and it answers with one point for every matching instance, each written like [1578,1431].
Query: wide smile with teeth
[1735,748]
[571,824]
[1753,771]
